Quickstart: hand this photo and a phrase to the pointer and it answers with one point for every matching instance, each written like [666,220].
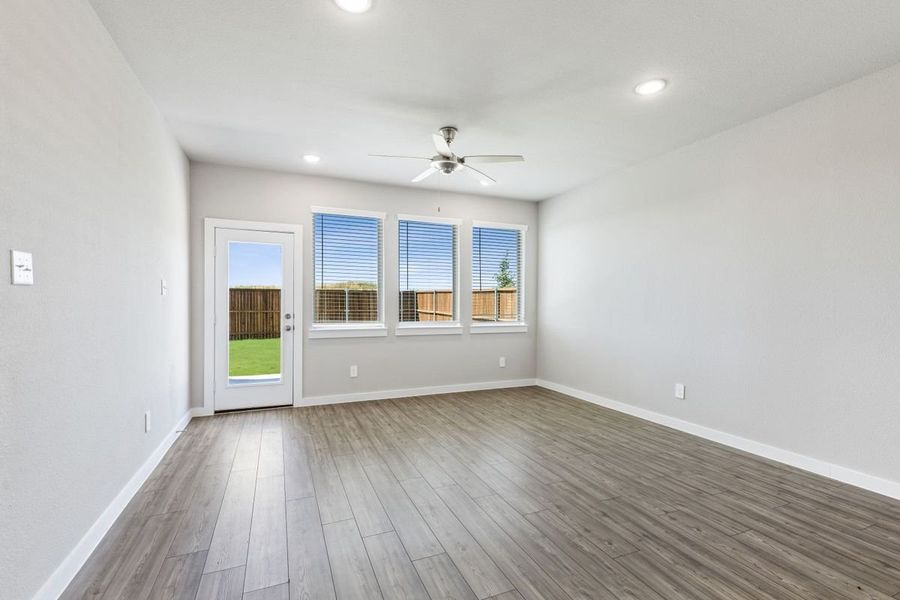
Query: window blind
[347,269]
[496,274]
[427,253]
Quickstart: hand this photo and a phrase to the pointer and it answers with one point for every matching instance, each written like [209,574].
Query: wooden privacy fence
[434,305]
[437,305]
[338,305]
[341,305]
[254,313]
[495,305]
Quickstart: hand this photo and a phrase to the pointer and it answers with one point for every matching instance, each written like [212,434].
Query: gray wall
[384,363]
[92,183]
[760,267]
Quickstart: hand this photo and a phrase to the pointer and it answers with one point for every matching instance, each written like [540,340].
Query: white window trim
[358,328]
[507,327]
[434,327]
[340,330]
[349,212]
[430,219]
[520,326]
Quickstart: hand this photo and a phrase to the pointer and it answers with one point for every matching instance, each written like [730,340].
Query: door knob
[288,328]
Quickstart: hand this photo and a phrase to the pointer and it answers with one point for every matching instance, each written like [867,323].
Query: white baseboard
[66,571]
[420,391]
[865,481]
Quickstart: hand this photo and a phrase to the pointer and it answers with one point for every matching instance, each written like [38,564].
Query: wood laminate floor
[506,494]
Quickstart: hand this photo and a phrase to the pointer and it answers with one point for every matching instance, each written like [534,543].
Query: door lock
[288,328]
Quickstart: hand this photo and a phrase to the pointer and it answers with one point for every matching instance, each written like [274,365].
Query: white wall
[761,267]
[384,363]
[92,183]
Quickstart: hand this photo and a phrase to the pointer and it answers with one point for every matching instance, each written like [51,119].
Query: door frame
[210,225]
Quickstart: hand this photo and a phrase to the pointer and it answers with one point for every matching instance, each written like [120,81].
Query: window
[497,274]
[347,269]
[428,281]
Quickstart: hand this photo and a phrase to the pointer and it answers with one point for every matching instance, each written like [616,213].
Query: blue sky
[489,248]
[346,249]
[254,264]
[426,255]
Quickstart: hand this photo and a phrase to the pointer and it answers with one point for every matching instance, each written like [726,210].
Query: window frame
[520,325]
[356,328]
[404,328]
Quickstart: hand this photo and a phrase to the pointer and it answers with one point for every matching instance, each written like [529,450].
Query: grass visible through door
[254,357]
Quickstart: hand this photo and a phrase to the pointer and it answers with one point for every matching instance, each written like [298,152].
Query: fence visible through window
[255,313]
[496,273]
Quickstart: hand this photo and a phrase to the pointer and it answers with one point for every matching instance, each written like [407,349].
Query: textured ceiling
[263,82]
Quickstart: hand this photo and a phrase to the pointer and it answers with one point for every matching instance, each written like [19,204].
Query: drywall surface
[386,363]
[760,267]
[92,184]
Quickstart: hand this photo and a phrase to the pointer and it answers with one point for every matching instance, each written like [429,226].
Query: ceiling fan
[446,162]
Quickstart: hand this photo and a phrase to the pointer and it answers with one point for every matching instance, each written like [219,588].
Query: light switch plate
[20,267]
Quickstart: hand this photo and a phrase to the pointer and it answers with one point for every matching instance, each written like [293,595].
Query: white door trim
[209,300]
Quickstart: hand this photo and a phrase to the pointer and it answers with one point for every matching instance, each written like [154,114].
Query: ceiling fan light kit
[354,6]
[446,162]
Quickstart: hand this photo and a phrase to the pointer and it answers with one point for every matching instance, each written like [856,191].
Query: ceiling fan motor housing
[445,165]
[447,162]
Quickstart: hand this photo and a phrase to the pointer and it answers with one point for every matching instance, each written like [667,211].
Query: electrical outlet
[147,422]
[502,362]
[163,287]
[679,391]
[353,371]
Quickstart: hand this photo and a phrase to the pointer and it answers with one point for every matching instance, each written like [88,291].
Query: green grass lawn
[254,357]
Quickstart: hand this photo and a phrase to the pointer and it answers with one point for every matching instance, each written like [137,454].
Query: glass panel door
[254,319]
[254,312]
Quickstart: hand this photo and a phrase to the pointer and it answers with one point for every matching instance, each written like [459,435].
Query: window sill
[498,328]
[347,331]
[417,329]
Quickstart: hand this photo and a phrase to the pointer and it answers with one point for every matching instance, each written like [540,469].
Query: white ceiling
[262,82]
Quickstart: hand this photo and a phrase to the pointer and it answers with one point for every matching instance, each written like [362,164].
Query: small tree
[504,277]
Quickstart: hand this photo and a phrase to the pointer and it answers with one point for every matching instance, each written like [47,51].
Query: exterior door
[254,319]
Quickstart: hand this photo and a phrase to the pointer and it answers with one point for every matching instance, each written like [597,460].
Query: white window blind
[427,253]
[347,270]
[496,274]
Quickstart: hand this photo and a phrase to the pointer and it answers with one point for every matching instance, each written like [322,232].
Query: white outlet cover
[502,362]
[679,391]
[21,267]
[353,371]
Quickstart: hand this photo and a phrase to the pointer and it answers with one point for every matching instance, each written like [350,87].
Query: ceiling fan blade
[393,156]
[427,173]
[483,178]
[441,145]
[494,158]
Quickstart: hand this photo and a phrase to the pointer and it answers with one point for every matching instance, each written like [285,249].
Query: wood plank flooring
[507,494]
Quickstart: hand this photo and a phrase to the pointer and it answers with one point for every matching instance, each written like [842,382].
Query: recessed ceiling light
[648,88]
[312,159]
[354,6]
[485,182]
